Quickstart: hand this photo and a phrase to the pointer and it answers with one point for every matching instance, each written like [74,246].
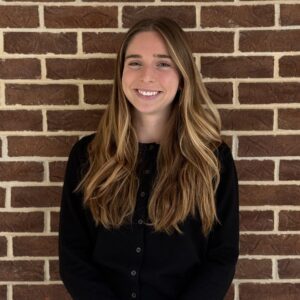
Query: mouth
[147,93]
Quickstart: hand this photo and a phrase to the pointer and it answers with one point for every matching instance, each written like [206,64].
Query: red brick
[269,195]
[40,196]
[57,170]
[45,292]
[40,145]
[104,42]
[97,94]
[35,246]
[93,68]
[3,246]
[185,16]
[21,222]
[220,92]
[289,170]
[21,270]
[279,145]
[289,118]
[81,17]
[289,268]
[40,42]
[278,291]
[54,222]
[54,270]
[254,269]
[19,16]
[2,197]
[42,0]
[289,14]
[289,66]
[211,42]
[269,40]
[272,244]
[19,120]
[246,119]
[256,220]
[265,93]
[289,220]
[39,94]
[197,1]
[21,68]
[255,169]
[3,291]
[237,16]
[237,67]
[80,120]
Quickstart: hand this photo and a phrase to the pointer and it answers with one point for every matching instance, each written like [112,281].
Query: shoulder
[79,149]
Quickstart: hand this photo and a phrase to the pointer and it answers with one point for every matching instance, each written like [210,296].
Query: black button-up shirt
[135,262]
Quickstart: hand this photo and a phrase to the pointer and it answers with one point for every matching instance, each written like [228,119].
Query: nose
[148,74]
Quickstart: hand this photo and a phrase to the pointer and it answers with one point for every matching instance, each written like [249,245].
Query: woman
[150,202]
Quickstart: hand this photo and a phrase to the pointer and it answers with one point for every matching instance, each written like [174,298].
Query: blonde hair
[187,167]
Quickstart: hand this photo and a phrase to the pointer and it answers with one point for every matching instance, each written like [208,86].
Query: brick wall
[55,78]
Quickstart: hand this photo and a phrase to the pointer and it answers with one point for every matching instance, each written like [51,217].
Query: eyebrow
[155,55]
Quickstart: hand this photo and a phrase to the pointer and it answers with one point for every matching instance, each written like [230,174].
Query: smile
[148,93]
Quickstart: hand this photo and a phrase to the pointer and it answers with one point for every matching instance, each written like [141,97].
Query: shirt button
[138,249]
[151,147]
[140,221]
[147,172]
[133,295]
[142,194]
[133,272]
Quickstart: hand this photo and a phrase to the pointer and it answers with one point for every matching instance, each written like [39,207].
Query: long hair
[187,166]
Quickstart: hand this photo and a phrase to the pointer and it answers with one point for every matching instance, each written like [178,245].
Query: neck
[149,128]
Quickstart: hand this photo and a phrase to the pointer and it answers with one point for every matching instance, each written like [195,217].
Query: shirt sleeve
[216,273]
[80,276]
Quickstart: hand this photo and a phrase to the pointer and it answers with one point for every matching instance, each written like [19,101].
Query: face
[150,78]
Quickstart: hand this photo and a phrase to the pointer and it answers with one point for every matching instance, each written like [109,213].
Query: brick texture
[22,222]
[289,268]
[289,170]
[21,120]
[42,196]
[57,61]
[35,246]
[19,16]
[40,43]
[81,17]
[22,270]
[237,67]
[278,291]
[49,292]
[254,269]
[40,94]
[237,16]
[94,68]
[23,68]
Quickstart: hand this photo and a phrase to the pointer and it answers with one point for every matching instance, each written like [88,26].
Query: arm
[81,278]
[216,273]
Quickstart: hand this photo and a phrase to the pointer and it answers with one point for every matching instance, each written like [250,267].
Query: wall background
[55,77]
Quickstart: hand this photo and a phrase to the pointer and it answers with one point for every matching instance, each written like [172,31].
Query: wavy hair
[187,165]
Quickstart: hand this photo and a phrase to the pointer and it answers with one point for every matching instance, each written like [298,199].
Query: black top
[135,262]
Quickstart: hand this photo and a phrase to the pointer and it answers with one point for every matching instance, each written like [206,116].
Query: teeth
[148,93]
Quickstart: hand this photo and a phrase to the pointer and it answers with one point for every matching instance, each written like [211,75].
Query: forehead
[147,42]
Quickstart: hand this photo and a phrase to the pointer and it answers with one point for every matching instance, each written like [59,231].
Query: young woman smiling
[150,202]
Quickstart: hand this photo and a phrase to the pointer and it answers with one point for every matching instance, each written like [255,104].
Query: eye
[134,64]
[164,64]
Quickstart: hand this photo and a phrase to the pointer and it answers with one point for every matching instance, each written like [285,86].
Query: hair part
[187,165]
